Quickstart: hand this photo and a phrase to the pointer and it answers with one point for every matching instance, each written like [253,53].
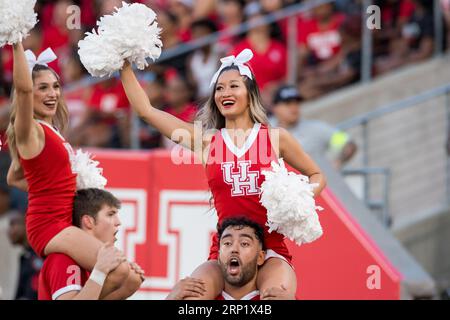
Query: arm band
[98,277]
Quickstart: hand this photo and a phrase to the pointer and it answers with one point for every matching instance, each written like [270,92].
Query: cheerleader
[42,167]
[242,145]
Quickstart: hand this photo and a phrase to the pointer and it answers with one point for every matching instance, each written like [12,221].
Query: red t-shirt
[109,99]
[325,42]
[267,66]
[186,114]
[405,11]
[76,101]
[60,274]
[8,62]
[254,296]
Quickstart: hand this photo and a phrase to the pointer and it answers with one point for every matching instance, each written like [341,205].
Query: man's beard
[247,273]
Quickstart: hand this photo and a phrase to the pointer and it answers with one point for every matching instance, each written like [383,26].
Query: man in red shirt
[96,212]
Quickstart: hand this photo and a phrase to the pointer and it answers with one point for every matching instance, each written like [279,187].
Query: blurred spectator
[4,109]
[178,95]
[88,17]
[182,9]
[179,99]
[170,38]
[269,63]
[445,4]
[394,14]
[231,15]
[349,7]
[154,87]
[30,263]
[9,261]
[342,69]
[279,28]
[416,42]
[106,120]
[319,38]
[57,35]
[76,98]
[107,6]
[204,9]
[317,138]
[203,62]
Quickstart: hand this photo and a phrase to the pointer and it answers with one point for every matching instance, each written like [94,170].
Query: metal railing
[373,204]
[364,120]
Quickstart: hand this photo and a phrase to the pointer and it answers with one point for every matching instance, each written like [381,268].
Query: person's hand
[276,293]
[136,268]
[187,287]
[126,65]
[109,258]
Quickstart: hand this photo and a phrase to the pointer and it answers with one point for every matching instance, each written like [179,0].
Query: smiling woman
[237,144]
[42,166]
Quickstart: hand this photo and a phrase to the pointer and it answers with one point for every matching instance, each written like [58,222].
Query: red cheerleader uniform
[234,177]
[51,189]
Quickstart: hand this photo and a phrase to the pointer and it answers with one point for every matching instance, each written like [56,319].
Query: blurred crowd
[328,41]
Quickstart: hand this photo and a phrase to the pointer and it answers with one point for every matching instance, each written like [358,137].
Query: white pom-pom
[130,33]
[88,174]
[289,200]
[17,18]
[99,56]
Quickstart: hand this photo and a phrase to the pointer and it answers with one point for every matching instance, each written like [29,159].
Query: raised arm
[23,85]
[173,128]
[295,156]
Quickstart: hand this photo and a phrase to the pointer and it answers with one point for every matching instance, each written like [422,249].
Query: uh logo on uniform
[242,181]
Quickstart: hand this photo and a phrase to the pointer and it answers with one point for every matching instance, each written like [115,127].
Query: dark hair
[90,202]
[241,3]
[205,23]
[242,222]
[210,116]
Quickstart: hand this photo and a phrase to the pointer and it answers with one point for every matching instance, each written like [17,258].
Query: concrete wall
[427,238]
[409,142]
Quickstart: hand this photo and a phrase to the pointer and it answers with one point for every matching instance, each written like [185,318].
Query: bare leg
[83,248]
[210,273]
[276,272]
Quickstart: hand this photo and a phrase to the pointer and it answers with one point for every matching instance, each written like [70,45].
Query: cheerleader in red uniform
[234,155]
[42,166]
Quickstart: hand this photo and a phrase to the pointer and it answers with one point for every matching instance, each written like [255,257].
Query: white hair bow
[44,58]
[245,56]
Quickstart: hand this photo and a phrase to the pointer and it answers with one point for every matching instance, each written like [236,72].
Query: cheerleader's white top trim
[52,128]
[239,152]
[249,296]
